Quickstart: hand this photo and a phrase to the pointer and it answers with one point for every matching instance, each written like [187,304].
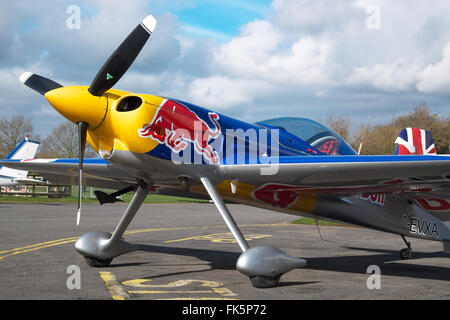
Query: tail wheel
[405,254]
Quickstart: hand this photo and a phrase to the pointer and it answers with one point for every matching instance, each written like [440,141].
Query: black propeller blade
[38,83]
[82,133]
[122,58]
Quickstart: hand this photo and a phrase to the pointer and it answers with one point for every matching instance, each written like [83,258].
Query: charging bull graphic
[175,125]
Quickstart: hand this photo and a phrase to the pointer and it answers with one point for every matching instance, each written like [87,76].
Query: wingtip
[149,23]
[25,76]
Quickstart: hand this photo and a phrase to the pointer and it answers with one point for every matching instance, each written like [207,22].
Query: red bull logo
[375,198]
[276,195]
[175,125]
[435,205]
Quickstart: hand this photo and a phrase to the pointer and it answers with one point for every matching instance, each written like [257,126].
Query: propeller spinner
[67,100]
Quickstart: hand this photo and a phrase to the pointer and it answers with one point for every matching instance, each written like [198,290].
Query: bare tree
[421,117]
[14,130]
[340,124]
[63,143]
[359,137]
[380,139]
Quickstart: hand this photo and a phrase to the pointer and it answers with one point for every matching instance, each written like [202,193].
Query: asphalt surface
[186,252]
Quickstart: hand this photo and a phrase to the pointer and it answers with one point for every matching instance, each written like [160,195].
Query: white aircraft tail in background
[26,149]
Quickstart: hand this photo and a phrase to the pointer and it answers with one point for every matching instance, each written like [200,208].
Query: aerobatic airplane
[26,149]
[292,165]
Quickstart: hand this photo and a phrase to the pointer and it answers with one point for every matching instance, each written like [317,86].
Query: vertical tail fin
[415,141]
[26,149]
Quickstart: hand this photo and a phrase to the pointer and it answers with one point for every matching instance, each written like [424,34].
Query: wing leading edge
[99,173]
[341,170]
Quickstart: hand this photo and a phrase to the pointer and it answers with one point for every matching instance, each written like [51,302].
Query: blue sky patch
[221,20]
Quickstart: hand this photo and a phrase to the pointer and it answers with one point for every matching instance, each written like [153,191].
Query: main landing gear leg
[264,265]
[406,253]
[99,248]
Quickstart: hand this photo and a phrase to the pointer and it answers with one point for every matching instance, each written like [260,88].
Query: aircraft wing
[419,178]
[30,181]
[328,175]
[342,171]
[97,172]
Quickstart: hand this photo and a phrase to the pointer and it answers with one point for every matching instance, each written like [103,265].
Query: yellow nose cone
[77,104]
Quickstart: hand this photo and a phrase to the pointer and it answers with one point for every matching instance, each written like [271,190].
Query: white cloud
[436,78]
[306,16]
[308,51]
[251,49]
[303,58]
[397,76]
[261,52]
[307,63]
[277,4]
[222,92]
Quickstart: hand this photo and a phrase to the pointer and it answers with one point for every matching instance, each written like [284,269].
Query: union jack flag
[415,141]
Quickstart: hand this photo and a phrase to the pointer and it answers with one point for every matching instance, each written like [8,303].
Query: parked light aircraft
[26,149]
[291,165]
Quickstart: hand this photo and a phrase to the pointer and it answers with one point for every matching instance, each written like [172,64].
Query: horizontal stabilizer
[103,197]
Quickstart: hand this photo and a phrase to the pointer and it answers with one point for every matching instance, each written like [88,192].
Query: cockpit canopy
[317,135]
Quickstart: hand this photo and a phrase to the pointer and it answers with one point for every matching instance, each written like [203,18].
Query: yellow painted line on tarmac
[115,290]
[280,224]
[199,298]
[212,287]
[34,248]
[47,244]
[170,291]
[224,291]
[37,246]
[201,237]
[220,238]
[158,229]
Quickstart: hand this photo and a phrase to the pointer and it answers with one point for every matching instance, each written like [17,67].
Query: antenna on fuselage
[316,220]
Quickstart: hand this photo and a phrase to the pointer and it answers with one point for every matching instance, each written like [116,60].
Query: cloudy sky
[252,59]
